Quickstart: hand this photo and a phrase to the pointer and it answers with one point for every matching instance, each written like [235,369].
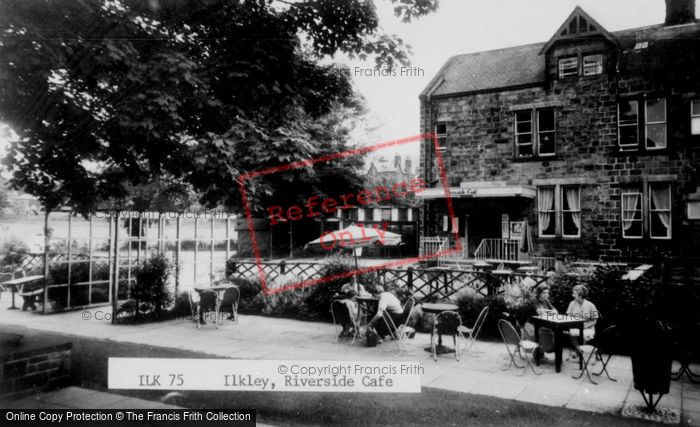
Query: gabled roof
[579,24]
[523,66]
[501,68]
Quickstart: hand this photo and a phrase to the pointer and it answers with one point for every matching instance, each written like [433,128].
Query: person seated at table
[350,291]
[389,303]
[542,303]
[582,309]
[544,307]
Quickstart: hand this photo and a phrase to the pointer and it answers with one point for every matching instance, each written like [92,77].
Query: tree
[105,95]
[4,200]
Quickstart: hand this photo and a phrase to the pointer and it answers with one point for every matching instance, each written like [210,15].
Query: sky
[464,26]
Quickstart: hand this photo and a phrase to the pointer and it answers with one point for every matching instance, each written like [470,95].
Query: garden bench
[29,293]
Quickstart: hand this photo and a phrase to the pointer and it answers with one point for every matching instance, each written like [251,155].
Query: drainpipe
[46,259]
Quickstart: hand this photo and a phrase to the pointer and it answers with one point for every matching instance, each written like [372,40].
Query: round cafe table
[219,291]
[436,309]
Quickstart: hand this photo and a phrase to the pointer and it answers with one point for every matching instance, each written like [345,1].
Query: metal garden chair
[341,316]
[229,301]
[401,333]
[206,304]
[469,335]
[446,323]
[511,338]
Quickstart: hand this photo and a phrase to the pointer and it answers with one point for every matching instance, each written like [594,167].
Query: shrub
[319,300]
[150,290]
[181,307]
[252,300]
[13,252]
[519,302]
[285,304]
[470,303]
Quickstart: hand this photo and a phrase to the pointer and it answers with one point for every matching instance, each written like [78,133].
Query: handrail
[505,249]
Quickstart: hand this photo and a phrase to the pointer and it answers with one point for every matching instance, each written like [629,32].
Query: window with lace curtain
[559,211]
[571,212]
[546,211]
[647,212]
[632,226]
[660,211]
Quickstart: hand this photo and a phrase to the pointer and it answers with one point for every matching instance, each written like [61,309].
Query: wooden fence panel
[423,284]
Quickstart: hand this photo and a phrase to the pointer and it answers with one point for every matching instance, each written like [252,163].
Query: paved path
[256,337]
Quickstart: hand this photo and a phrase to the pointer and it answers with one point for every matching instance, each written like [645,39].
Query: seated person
[542,304]
[546,335]
[389,303]
[350,291]
[585,310]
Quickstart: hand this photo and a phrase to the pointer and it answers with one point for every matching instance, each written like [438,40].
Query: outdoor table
[219,291]
[502,272]
[17,283]
[481,265]
[437,309]
[528,269]
[367,303]
[559,323]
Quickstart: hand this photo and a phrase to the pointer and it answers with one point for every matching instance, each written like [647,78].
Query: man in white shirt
[389,303]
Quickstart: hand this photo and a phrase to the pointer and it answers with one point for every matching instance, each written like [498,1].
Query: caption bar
[264,375]
[243,417]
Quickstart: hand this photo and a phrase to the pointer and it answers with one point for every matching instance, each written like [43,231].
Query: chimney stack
[680,12]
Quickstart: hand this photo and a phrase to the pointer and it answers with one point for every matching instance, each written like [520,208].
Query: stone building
[380,172]
[587,143]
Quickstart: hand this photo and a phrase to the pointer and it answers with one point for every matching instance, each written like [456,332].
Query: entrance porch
[491,221]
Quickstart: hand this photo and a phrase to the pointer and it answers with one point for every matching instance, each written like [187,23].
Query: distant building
[22,203]
[382,171]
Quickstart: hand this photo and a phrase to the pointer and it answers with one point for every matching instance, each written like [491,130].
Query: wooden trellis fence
[424,284]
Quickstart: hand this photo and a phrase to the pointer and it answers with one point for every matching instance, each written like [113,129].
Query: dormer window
[568,67]
[592,64]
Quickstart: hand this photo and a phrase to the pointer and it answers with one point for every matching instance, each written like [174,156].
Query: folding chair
[341,316]
[229,301]
[446,323]
[605,344]
[586,352]
[401,334]
[469,335]
[512,338]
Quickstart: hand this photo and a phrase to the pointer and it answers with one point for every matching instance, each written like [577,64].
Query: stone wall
[481,147]
[26,372]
